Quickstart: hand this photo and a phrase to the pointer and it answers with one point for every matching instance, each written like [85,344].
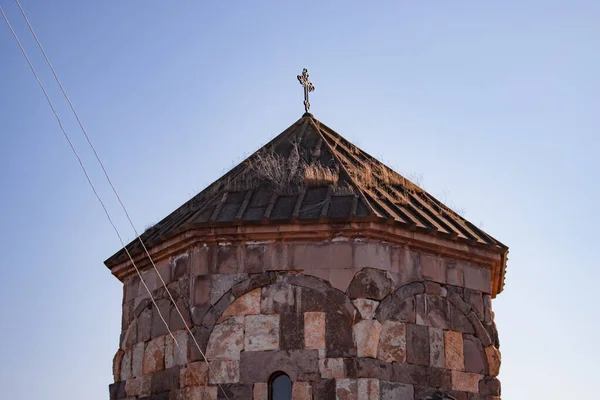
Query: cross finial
[308,87]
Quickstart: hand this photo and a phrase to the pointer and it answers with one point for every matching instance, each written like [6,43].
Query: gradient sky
[495,104]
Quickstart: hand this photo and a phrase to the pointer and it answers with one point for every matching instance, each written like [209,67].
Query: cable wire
[94,188]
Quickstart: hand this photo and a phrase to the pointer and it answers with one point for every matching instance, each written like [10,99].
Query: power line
[94,189]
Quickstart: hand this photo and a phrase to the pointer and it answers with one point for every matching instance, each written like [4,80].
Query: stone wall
[348,318]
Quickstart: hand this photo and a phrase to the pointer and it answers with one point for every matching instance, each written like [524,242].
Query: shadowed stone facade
[338,327]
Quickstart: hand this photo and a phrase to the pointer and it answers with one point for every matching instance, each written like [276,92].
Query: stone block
[137,358]
[480,331]
[368,368]
[160,315]
[248,304]
[475,358]
[367,334]
[328,255]
[180,267]
[339,341]
[144,325]
[392,343]
[117,361]
[254,258]
[324,389]
[261,332]
[277,257]
[176,351]
[191,393]
[365,307]
[224,371]
[439,378]
[478,278]
[260,391]
[433,268]
[453,350]
[433,311]
[221,283]
[150,278]
[332,368]
[410,374]
[126,365]
[154,356]
[493,359]
[117,390]
[314,330]
[459,303]
[346,389]
[436,348]
[454,273]
[138,386]
[279,298]
[489,385]
[301,391]
[227,340]
[291,331]
[395,391]
[417,344]
[487,308]
[228,259]
[199,263]
[372,255]
[465,381]
[194,374]
[166,380]
[370,283]
[341,278]
[201,290]
[368,389]
[475,299]
[299,365]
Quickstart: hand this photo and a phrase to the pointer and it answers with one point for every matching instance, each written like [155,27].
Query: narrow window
[280,387]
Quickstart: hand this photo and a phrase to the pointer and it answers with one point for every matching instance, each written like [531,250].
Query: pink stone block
[453,350]
[314,330]
[366,334]
[260,391]
[138,386]
[493,359]
[366,307]
[261,332]
[465,381]
[346,389]
[301,391]
[154,356]
[227,340]
[194,374]
[224,371]
[248,304]
[392,344]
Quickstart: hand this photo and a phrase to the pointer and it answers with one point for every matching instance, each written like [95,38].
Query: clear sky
[495,104]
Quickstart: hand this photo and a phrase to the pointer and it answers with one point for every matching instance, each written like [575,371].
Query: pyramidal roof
[310,173]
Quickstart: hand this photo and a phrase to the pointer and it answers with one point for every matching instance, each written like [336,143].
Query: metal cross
[308,87]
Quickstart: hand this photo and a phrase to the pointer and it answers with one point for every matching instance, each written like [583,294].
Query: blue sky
[495,104]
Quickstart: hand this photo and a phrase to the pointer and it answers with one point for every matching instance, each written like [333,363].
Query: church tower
[309,271]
